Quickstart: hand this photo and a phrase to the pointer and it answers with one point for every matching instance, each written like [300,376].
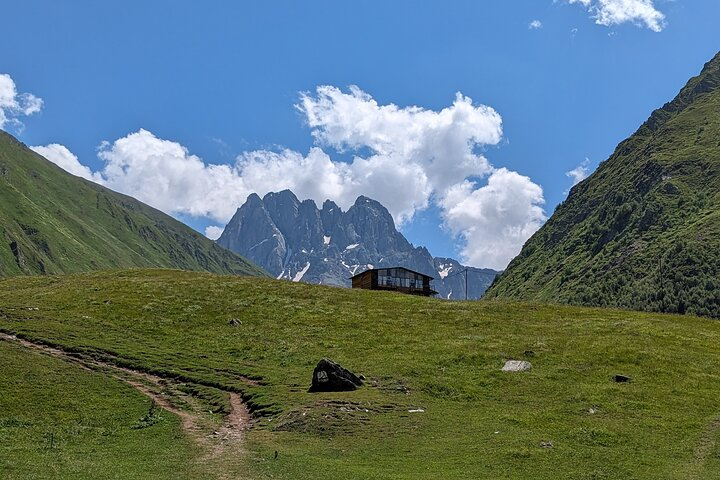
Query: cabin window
[398,277]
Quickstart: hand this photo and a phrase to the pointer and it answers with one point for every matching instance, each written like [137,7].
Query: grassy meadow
[58,420]
[435,403]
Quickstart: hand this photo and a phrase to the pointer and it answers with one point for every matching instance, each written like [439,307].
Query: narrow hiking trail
[218,440]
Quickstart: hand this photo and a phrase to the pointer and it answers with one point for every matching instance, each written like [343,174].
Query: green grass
[443,357]
[53,222]
[60,421]
[643,231]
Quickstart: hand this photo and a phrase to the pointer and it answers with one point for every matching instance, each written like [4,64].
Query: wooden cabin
[398,279]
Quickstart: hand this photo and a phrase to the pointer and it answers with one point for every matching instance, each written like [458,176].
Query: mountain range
[298,241]
[53,222]
[643,231]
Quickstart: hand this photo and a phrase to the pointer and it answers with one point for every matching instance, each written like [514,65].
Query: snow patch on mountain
[299,275]
[444,270]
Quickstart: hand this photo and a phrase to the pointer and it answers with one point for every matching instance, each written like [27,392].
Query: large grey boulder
[330,376]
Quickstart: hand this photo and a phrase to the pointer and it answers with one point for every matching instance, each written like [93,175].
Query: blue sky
[222,79]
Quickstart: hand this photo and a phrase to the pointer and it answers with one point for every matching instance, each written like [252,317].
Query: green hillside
[53,222]
[54,416]
[435,404]
[643,231]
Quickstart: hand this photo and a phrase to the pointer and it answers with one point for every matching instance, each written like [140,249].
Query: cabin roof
[388,268]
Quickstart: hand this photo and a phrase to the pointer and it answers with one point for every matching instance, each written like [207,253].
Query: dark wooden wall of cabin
[364,280]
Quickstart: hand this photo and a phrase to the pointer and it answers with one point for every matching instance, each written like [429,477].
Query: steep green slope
[54,222]
[643,231]
[436,403]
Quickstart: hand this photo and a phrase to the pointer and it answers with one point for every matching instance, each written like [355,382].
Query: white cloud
[616,12]
[442,143]
[496,219]
[412,157]
[535,25]
[213,232]
[14,104]
[65,159]
[424,151]
[579,173]
[165,175]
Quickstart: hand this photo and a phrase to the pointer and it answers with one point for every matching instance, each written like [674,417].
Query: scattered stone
[416,410]
[621,378]
[529,353]
[235,322]
[546,444]
[516,366]
[329,376]
[402,388]
[592,411]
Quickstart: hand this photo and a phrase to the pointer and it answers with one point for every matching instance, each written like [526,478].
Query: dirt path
[217,440]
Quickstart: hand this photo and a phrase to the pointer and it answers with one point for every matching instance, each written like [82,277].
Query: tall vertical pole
[466,293]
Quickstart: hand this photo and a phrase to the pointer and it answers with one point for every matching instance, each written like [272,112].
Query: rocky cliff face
[297,241]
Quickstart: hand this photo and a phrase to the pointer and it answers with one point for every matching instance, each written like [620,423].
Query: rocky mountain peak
[329,205]
[253,199]
[297,241]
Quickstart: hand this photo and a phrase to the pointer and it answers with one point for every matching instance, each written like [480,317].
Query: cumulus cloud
[535,25]
[65,159]
[496,219]
[616,12]
[165,175]
[213,232]
[14,104]
[411,157]
[579,173]
[424,151]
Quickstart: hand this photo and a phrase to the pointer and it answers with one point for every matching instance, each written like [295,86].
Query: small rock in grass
[546,444]
[516,366]
[235,322]
[529,353]
[621,378]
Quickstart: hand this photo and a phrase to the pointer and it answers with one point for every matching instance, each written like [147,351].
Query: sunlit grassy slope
[54,222]
[565,419]
[643,231]
[60,421]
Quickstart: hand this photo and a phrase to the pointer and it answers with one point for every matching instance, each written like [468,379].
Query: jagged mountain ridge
[52,222]
[643,231]
[295,240]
